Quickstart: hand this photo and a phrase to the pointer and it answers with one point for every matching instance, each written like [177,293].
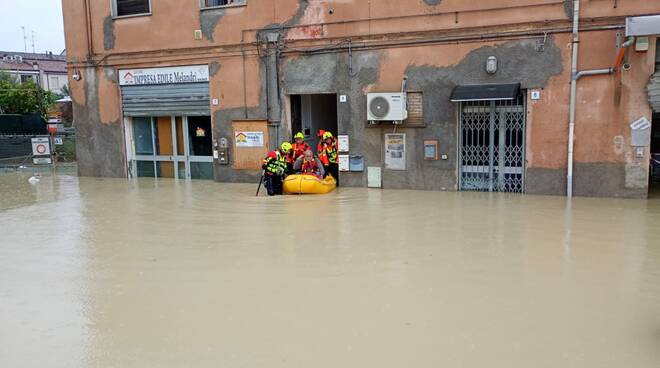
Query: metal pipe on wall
[573,98]
[575,76]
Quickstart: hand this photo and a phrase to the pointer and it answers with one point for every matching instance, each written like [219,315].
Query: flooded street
[112,273]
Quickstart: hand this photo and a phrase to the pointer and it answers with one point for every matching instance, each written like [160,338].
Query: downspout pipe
[573,97]
[577,75]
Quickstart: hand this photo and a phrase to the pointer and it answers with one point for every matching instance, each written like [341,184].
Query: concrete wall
[436,44]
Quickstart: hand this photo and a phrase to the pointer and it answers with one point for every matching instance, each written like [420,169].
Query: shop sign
[395,151]
[249,139]
[169,75]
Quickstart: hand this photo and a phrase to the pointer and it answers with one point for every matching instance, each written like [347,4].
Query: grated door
[492,154]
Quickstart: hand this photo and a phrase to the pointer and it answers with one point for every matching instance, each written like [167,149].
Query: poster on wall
[395,151]
[344,163]
[249,139]
[343,143]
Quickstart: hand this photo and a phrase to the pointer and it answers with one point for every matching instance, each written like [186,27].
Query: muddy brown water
[112,273]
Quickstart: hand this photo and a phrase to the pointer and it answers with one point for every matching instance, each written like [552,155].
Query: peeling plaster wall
[605,108]
[433,70]
[99,134]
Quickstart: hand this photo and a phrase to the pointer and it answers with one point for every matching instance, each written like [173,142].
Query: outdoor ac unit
[387,107]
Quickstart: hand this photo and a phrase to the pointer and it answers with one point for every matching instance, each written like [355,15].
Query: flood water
[112,273]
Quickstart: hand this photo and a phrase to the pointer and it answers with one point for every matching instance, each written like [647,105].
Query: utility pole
[24,39]
[33,50]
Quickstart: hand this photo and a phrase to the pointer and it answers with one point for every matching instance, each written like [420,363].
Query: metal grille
[492,153]
[190,99]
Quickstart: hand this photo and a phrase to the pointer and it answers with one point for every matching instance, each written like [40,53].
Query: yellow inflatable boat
[309,184]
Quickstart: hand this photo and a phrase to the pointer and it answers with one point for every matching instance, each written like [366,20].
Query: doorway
[171,147]
[492,145]
[312,113]
[654,165]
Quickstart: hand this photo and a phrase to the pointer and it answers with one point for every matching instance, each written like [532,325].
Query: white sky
[44,17]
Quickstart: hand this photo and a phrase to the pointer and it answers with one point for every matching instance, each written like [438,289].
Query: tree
[23,98]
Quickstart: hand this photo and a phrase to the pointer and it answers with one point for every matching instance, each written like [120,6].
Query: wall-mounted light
[76,75]
[491,65]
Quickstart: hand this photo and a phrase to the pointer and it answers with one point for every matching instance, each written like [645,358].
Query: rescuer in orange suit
[329,155]
[298,149]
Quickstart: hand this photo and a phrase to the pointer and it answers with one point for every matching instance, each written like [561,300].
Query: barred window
[415,108]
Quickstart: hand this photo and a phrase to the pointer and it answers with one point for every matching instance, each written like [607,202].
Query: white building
[46,69]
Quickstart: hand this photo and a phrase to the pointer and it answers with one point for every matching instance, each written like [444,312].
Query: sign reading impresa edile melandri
[167,75]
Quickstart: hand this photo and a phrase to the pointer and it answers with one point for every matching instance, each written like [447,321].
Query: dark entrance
[654,169]
[311,113]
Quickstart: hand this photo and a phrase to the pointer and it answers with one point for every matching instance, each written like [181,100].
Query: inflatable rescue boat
[309,184]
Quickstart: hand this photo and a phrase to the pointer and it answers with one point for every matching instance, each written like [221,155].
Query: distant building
[48,70]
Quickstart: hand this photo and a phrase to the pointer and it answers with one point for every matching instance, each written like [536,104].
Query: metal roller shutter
[654,92]
[167,100]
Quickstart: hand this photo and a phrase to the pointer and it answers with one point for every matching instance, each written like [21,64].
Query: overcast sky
[44,17]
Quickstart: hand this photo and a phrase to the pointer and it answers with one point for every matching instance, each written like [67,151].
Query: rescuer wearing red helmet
[275,168]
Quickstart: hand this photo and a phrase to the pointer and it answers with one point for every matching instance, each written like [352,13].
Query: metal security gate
[492,145]
[191,99]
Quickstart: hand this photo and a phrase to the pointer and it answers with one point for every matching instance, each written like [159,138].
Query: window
[54,83]
[122,8]
[27,78]
[220,3]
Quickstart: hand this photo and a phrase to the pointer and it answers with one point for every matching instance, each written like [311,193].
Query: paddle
[263,174]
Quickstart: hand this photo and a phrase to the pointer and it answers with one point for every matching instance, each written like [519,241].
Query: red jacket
[297,151]
[328,154]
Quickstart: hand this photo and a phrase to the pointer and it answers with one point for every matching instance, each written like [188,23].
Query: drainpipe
[575,76]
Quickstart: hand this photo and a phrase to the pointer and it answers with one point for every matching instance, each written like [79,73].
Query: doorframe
[491,148]
[175,158]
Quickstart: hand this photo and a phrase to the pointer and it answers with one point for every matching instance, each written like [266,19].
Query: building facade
[47,70]
[202,89]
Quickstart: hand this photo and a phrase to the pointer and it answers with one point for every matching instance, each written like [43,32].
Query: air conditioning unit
[386,107]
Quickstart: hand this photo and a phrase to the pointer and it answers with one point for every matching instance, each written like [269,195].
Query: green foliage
[65,90]
[23,98]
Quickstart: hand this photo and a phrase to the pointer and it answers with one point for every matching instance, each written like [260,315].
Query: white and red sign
[40,146]
[168,75]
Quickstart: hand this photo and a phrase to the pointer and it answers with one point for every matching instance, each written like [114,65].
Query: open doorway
[311,113]
[654,169]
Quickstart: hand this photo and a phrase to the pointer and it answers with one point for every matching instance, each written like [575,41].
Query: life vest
[275,163]
[309,167]
[297,151]
[323,156]
[328,153]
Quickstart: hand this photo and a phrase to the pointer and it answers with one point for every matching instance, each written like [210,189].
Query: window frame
[113,8]
[204,7]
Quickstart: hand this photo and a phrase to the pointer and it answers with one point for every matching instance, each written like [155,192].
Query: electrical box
[374,177]
[642,44]
[640,133]
[356,163]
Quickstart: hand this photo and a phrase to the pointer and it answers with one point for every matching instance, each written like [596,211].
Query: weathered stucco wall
[244,83]
[433,70]
[99,134]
